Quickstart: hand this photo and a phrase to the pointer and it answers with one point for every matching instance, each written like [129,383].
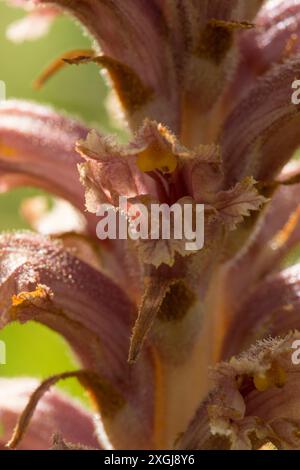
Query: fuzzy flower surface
[178,349]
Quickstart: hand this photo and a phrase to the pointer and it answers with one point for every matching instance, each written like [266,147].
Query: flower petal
[75,293]
[88,378]
[203,172]
[277,232]
[107,174]
[41,281]
[235,204]
[39,144]
[273,40]
[190,53]
[123,31]
[255,400]
[261,134]
[272,308]
[206,32]
[56,412]
[114,170]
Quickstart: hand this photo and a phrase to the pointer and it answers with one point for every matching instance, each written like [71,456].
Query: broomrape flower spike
[205,88]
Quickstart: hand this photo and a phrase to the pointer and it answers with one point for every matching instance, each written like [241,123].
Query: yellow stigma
[275,376]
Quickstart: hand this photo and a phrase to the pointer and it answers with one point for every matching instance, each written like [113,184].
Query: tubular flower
[188,349]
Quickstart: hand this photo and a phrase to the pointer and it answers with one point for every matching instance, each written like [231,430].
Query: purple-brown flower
[178,349]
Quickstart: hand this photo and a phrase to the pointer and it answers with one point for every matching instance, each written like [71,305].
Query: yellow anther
[156,158]
[275,376]
[40,292]
[261,382]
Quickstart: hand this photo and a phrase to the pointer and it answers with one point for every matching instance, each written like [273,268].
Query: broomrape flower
[205,90]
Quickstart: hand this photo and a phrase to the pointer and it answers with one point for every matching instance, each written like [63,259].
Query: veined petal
[41,281]
[254,400]
[73,294]
[273,40]
[190,57]
[261,134]
[156,248]
[272,308]
[123,31]
[235,204]
[206,32]
[114,170]
[55,413]
[277,232]
[155,168]
[38,144]
[107,174]
[203,172]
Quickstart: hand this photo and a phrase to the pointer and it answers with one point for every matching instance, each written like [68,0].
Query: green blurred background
[33,350]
